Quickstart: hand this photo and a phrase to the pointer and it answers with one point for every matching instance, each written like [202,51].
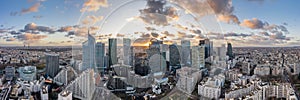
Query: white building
[262,70]
[187,79]
[83,86]
[66,75]
[65,95]
[44,93]
[198,56]
[211,87]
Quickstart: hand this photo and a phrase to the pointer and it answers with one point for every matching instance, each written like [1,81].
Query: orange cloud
[33,8]
[93,5]
[229,19]
[253,23]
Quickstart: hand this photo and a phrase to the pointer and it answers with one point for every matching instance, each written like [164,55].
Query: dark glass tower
[229,51]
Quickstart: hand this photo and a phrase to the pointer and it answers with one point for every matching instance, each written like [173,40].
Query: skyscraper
[100,53]
[185,52]
[127,51]
[198,56]
[52,64]
[112,51]
[88,53]
[207,45]
[229,51]
[174,55]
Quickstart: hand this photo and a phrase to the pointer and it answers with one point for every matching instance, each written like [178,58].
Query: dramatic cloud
[222,8]
[82,31]
[65,29]
[167,34]
[30,37]
[33,8]
[32,27]
[178,26]
[253,23]
[4,30]
[231,34]
[93,5]
[155,35]
[279,36]
[265,33]
[157,13]
[15,33]
[229,19]
[91,19]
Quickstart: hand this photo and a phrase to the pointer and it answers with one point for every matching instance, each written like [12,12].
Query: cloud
[180,27]
[91,19]
[4,30]
[141,42]
[30,37]
[253,23]
[157,13]
[120,35]
[232,34]
[150,29]
[144,35]
[155,35]
[15,32]
[33,8]
[279,36]
[82,31]
[265,33]
[167,34]
[32,27]
[13,13]
[65,29]
[37,17]
[10,39]
[229,19]
[93,5]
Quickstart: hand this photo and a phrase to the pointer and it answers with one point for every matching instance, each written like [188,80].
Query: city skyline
[268,23]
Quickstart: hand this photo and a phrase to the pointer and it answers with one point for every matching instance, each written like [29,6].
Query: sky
[67,22]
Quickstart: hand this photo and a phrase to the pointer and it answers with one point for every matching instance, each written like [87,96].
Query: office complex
[27,73]
[52,64]
[88,53]
[198,57]
[83,86]
[112,51]
[10,73]
[100,57]
[185,52]
[175,57]
[127,54]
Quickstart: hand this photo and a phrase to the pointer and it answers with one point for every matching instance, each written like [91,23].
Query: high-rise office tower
[175,58]
[198,56]
[100,57]
[207,45]
[211,48]
[52,64]
[185,52]
[127,51]
[229,51]
[112,51]
[88,53]
[221,52]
